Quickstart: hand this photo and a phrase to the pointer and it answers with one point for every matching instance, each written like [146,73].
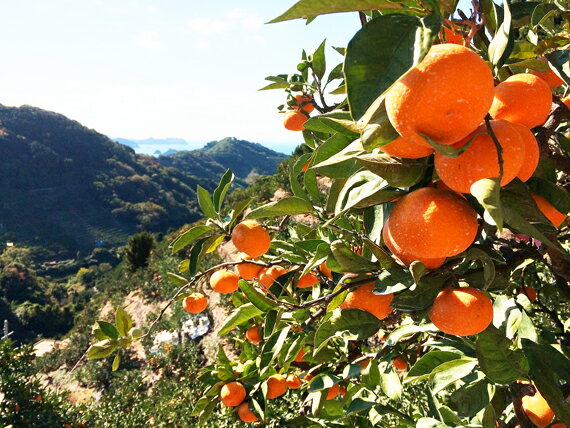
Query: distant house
[9,244]
[100,243]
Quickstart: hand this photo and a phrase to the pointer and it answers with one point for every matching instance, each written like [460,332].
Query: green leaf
[450,372]
[177,280]
[108,330]
[318,62]
[390,382]
[335,157]
[271,349]
[362,190]
[288,206]
[239,208]
[381,52]
[557,361]
[323,381]
[359,405]
[260,301]
[350,261]
[421,297]
[223,187]
[406,331]
[559,59]
[123,321]
[397,172]
[116,362]
[502,44]
[335,121]
[487,191]
[239,316]
[471,398]
[188,237]
[310,8]
[101,349]
[205,202]
[498,358]
[358,323]
[423,368]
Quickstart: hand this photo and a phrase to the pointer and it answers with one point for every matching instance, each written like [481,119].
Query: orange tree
[418,273]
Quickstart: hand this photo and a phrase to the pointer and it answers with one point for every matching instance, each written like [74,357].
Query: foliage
[138,250]
[342,192]
[23,401]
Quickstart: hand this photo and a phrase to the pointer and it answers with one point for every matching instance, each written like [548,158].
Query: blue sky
[146,68]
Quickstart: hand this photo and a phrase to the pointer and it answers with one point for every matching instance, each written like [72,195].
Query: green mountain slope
[67,186]
[242,157]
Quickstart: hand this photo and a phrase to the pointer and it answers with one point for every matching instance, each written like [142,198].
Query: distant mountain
[242,157]
[68,186]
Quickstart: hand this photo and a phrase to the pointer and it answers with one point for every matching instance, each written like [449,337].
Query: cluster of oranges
[295,119]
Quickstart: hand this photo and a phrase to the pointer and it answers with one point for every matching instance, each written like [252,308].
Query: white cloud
[149,39]
[235,19]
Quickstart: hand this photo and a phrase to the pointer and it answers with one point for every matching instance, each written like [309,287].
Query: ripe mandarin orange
[404,148]
[451,36]
[245,414]
[399,363]
[232,394]
[224,281]
[293,382]
[364,298]
[295,120]
[480,160]
[522,98]
[461,311]
[325,270]
[300,358]
[529,292]
[195,303]
[333,391]
[306,100]
[537,409]
[251,238]
[307,281]
[268,276]
[552,214]
[248,270]
[276,386]
[433,223]
[405,257]
[531,152]
[252,334]
[445,97]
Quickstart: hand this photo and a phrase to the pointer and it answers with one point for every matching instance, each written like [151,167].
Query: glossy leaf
[356,322]
[239,316]
[188,237]
[288,206]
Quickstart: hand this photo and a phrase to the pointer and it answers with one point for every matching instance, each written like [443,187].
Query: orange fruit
[307,281]
[522,98]
[268,276]
[293,382]
[195,303]
[325,270]
[252,334]
[364,364]
[480,160]
[245,414]
[308,377]
[433,223]
[251,238]
[452,37]
[232,394]
[461,311]
[552,214]
[405,148]
[399,363]
[537,409]
[403,256]
[531,152]
[276,386]
[342,391]
[529,292]
[549,76]
[445,97]
[306,100]
[333,391]
[294,120]
[364,298]
[566,101]
[248,270]
[224,281]
[300,358]
[442,186]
